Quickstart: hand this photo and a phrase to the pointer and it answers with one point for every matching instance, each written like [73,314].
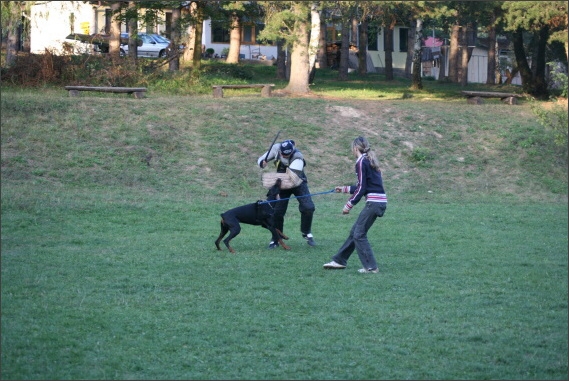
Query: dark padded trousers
[305,206]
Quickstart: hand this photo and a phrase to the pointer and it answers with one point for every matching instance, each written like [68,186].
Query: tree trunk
[322,59]
[389,52]
[192,53]
[442,68]
[132,23]
[362,49]
[531,49]
[410,48]
[281,60]
[11,22]
[174,63]
[354,32]
[453,54]
[416,81]
[298,82]
[491,69]
[234,39]
[188,55]
[198,29]
[115,32]
[540,65]
[510,75]
[314,41]
[11,43]
[522,62]
[463,72]
[344,51]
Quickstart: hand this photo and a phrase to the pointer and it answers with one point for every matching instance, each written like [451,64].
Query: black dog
[258,213]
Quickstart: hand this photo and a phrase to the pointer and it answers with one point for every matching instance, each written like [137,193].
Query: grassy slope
[203,145]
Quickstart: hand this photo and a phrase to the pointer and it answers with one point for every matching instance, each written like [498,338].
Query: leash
[305,195]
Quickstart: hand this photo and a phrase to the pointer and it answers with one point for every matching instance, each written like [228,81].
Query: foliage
[533,15]
[84,69]
[559,80]
[279,21]
[554,119]
[87,69]
[11,14]
[421,156]
[228,71]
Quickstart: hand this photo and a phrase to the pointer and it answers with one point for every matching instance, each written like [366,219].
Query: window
[403,36]
[258,29]
[373,32]
[219,33]
[333,32]
[249,32]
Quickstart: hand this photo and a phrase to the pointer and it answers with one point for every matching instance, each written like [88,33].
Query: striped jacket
[370,184]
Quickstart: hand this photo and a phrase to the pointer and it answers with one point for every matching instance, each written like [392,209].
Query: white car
[153,45]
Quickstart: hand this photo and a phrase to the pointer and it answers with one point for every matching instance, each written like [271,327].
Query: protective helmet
[287,147]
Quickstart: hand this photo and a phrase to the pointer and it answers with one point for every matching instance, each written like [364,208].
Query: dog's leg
[233,231]
[224,230]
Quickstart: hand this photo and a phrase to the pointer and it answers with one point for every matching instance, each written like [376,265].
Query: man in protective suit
[290,168]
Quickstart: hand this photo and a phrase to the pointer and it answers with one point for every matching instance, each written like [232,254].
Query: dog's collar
[262,202]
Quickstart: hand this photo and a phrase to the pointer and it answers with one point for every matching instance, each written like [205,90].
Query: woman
[370,185]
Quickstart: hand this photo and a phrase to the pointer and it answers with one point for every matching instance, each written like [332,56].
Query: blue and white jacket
[370,184]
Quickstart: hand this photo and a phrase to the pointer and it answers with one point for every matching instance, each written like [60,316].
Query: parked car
[153,45]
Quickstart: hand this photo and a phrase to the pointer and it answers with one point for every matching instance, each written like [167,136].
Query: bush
[37,69]
[421,156]
[555,119]
[227,71]
[34,70]
[558,81]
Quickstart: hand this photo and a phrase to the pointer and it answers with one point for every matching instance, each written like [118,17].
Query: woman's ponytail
[362,145]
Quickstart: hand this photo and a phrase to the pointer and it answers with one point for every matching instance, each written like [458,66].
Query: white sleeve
[297,165]
[272,154]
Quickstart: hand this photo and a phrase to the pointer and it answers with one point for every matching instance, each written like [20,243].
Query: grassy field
[110,207]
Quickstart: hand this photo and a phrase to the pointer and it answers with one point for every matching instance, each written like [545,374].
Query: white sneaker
[364,271]
[333,265]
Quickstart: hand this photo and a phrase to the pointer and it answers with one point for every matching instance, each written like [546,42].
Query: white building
[52,21]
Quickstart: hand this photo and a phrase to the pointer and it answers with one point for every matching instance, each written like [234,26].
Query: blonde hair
[362,145]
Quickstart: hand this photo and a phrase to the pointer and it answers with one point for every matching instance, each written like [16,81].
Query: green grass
[104,285]
[110,207]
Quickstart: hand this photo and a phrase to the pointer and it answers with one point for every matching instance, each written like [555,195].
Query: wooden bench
[265,89]
[475,97]
[137,91]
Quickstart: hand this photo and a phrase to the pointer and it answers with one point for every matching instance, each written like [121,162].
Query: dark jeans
[305,206]
[358,236]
